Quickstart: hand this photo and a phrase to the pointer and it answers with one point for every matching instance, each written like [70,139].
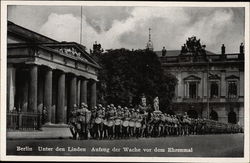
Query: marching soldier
[144,132]
[125,124]
[99,121]
[118,122]
[111,116]
[138,120]
[132,123]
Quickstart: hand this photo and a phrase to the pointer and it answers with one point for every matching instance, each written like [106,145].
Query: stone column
[83,94]
[179,86]
[60,98]
[78,91]
[11,87]
[32,104]
[72,100]
[48,93]
[40,92]
[93,95]
[205,85]
[23,94]
[223,84]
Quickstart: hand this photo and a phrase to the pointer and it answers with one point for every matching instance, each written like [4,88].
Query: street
[224,145]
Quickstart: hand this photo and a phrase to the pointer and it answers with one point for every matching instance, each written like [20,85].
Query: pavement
[51,131]
[223,145]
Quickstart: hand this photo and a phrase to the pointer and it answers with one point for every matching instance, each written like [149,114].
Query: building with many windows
[209,85]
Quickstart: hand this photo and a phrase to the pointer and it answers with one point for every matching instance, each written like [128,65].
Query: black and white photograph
[153,81]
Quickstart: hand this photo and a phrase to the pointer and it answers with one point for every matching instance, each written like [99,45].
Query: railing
[189,99]
[23,121]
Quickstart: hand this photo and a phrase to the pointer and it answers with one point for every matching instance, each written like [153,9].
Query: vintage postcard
[124,81]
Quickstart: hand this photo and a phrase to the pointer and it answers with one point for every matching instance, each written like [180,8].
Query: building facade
[209,85]
[46,76]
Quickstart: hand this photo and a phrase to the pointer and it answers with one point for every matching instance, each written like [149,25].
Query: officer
[73,122]
[84,116]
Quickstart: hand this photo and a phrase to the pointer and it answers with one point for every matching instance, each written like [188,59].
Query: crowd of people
[113,122]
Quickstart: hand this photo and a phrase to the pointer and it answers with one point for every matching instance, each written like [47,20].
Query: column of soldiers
[122,122]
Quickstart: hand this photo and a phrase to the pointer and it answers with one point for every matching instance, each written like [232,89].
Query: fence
[23,121]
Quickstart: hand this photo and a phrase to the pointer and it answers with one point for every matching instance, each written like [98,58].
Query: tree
[126,75]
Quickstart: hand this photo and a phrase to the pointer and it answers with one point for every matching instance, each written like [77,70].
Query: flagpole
[81,27]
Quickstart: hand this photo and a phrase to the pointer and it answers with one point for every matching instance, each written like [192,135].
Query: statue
[156,104]
[223,49]
[241,48]
[164,51]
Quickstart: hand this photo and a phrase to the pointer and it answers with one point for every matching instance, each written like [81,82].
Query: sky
[127,27]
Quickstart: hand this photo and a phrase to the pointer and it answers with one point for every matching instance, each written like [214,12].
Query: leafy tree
[126,75]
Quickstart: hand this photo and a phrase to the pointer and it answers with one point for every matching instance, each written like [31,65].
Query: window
[232,117]
[214,89]
[214,115]
[232,89]
[193,89]
[192,86]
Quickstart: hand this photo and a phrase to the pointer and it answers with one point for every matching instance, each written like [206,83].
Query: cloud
[170,27]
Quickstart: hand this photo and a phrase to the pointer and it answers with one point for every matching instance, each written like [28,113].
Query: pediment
[73,50]
[192,77]
[232,77]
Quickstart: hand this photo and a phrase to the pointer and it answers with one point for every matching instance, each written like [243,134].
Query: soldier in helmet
[93,124]
[150,125]
[166,125]
[138,120]
[118,122]
[73,122]
[99,121]
[105,123]
[125,124]
[132,123]
[161,124]
[111,116]
[144,124]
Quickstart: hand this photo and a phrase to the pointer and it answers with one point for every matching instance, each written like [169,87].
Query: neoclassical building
[46,76]
[209,85]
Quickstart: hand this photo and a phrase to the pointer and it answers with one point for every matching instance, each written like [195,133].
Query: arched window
[232,117]
[214,115]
